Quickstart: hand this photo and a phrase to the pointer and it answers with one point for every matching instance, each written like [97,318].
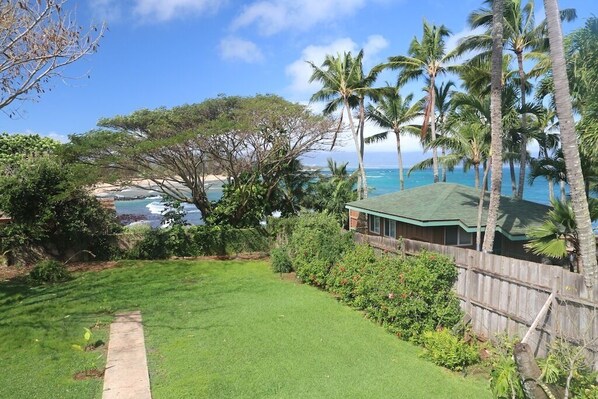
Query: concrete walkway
[126,375]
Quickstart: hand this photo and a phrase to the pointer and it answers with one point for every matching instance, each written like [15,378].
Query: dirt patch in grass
[88,374]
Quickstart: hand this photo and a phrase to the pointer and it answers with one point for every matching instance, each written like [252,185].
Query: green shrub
[448,350]
[406,295]
[152,246]
[281,262]
[352,279]
[317,243]
[197,241]
[49,271]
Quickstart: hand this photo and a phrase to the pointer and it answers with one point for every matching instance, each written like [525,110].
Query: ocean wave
[156,207]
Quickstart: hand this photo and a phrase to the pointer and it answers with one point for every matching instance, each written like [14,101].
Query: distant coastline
[143,188]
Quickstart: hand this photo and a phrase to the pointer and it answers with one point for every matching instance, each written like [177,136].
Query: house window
[457,236]
[390,228]
[375,224]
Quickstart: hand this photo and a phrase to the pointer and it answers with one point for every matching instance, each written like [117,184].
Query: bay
[380,181]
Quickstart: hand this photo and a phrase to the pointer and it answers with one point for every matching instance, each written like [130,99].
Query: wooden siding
[359,222]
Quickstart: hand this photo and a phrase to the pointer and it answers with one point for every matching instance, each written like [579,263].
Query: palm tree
[496,122]
[468,143]
[345,86]
[579,203]
[394,112]
[443,107]
[427,58]
[524,39]
[557,237]
[332,192]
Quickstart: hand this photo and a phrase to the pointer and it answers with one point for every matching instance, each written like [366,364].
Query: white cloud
[300,71]
[374,44]
[234,48]
[273,16]
[106,10]
[166,10]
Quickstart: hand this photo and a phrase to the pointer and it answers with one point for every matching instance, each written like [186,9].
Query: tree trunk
[550,189]
[495,124]
[433,128]
[476,170]
[364,181]
[579,202]
[529,371]
[523,149]
[478,242]
[355,132]
[443,152]
[401,179]
[513,177]
[563,190]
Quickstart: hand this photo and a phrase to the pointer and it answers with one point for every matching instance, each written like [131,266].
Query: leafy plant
[504,378]
[449,350]
[281,262]
[316,245]
[49,271]
[87,334]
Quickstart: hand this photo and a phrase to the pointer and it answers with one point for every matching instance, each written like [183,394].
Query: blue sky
[171,52]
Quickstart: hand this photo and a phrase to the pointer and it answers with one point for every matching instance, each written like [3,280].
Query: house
[444,213]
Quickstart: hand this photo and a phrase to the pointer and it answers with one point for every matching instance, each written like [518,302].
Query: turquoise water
[380,181]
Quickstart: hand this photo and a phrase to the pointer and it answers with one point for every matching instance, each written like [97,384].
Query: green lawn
[214,329]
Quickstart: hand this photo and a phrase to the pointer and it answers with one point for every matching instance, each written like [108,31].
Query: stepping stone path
[126,375]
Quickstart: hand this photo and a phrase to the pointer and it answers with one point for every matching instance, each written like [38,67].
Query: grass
[214,329]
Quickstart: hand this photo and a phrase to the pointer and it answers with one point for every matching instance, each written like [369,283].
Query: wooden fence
[505,295]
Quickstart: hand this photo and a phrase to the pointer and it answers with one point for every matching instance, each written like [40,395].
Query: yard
[213,329]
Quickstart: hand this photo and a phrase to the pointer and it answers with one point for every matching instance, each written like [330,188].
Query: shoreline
[143,188]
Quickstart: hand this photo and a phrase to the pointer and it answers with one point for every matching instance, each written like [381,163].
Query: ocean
[380,181]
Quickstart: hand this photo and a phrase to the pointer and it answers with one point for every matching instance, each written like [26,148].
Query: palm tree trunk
[563,191]
[443,152]
[433,129]
[401,178]
[355,132]
[364,181]
[550,189]
[523,149]
[478,235]
[513,177]
[476,169]
[495,124]
[587,242]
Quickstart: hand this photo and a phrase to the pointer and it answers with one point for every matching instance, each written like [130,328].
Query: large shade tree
[254,141]
[38,38]
[426,58]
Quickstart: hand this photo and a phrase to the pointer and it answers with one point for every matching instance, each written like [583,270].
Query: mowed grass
[214,329]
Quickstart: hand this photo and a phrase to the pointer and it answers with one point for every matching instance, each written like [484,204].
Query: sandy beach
[142,188]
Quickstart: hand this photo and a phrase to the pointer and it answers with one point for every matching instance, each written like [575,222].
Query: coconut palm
[344,87]
[587,242]
[394,112]
[468,144]
[427,58]
[443,108]
[521,36]
[333,190]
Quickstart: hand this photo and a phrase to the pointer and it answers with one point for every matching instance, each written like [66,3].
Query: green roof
[446,204]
